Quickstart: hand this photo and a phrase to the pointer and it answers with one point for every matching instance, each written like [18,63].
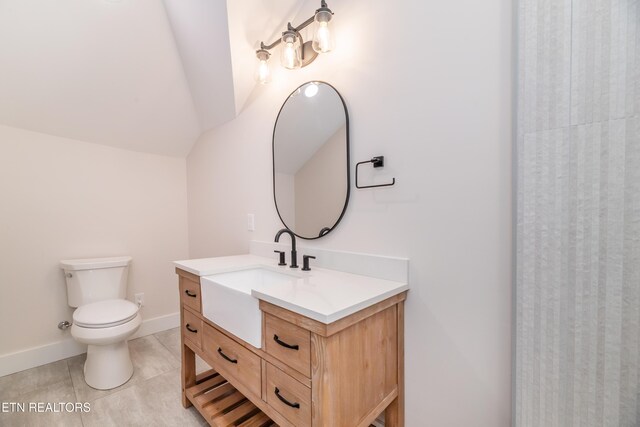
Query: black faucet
[294,253]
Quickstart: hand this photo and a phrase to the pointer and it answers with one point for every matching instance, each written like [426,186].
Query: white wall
[427,85]
[61,199]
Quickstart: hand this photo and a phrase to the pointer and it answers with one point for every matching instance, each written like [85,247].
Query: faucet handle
[305,262]
[282,262]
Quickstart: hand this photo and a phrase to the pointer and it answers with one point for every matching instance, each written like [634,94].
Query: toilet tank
[95,279]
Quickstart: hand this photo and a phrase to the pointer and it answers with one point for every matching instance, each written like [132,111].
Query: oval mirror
[311,160]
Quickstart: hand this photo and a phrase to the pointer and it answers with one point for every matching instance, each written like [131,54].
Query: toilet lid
[104,314]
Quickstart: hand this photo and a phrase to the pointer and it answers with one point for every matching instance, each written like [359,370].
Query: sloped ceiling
[144,75]
[202,36]
[217,40]
[95,70]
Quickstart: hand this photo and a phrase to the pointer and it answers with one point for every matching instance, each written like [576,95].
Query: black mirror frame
[325,230]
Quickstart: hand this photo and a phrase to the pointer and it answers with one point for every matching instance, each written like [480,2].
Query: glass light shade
[263,74]
[323,36]
[290,52]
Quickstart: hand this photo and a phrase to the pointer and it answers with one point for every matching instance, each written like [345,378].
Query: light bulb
[323,40]
[290,56]
[263,74]
[323,36]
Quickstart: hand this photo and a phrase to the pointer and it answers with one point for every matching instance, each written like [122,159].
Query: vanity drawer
[192,327]
[289,343]
[289,397]
[190,294]
[233,359]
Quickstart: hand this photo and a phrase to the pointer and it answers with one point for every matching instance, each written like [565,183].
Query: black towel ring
[377,162]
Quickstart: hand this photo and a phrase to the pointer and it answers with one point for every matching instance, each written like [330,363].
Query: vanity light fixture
[295,51]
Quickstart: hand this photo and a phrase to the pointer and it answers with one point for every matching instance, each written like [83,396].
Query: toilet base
[108,363]
[108,366]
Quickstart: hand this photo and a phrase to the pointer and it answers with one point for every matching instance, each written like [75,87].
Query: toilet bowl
[105,327]
[103,320]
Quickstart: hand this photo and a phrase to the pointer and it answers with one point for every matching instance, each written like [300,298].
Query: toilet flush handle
[69,275]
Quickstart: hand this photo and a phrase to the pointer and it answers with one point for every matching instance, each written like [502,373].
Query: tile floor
[150,398]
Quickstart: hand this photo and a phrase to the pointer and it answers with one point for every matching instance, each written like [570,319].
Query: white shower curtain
[577,359]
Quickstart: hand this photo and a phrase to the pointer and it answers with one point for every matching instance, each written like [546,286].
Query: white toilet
[104,319]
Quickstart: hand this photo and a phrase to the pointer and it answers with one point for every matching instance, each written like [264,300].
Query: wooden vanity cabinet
[307,373]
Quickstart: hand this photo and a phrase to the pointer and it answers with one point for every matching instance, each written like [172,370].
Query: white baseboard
[37,356]
[158,324]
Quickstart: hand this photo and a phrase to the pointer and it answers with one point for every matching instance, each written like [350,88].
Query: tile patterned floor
[150,398]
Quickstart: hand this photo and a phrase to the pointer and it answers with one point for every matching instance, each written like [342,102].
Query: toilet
[104,319]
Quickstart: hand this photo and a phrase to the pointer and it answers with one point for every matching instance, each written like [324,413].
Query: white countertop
[320,294]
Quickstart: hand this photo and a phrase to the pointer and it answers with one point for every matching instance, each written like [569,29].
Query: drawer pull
[285,401]
[191,330]
[189,294]
[227,357]
[284,344]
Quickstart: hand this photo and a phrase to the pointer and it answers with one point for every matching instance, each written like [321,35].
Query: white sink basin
[227,300]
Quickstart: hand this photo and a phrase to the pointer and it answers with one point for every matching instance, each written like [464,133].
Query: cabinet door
[289,397]
[190,294]
[232,359]
[289,343]
[192,328]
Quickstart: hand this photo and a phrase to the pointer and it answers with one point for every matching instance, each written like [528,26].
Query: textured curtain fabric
[578,214]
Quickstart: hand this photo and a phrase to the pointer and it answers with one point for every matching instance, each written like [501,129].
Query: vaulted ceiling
[145,75]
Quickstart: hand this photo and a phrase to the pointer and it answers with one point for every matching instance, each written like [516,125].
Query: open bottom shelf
[224,406]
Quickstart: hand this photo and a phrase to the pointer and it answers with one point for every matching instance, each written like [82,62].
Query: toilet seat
[105,314]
